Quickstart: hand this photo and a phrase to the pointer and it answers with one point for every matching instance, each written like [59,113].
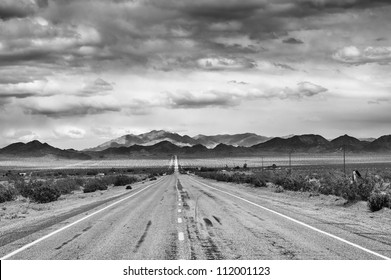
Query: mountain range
[156,136]
[161,144]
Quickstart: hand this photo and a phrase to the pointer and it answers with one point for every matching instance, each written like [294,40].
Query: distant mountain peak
[155,136]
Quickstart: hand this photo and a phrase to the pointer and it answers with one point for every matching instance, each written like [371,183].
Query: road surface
[185,217]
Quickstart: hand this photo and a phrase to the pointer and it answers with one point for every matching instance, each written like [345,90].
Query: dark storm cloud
[70,110]
[16,8]
[212,9]
[209,99]
[151,33]
[293,41]
[344,4]
[284,66]
[20,95]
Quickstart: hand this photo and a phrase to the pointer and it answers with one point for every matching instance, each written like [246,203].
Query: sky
[76,73]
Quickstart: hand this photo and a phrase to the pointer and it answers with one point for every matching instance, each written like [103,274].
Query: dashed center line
[179,220]
[181,236]
[179,210]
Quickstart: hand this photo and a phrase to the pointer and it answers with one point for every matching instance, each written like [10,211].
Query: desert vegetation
[373,186]
[43,186]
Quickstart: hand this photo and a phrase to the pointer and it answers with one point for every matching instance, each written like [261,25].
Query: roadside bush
[293,183]
[66,186]
[122,180]
[377,200]
[7,193]
[45,194]
[279,189]
[94,185]
[39,191]
[335,184]
[128,187]
[107,180]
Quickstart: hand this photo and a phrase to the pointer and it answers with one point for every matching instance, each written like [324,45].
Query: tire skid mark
[208,194]
[255,216]
[68,241]
[208,223]
[141,240]
[87,228]
[217,219]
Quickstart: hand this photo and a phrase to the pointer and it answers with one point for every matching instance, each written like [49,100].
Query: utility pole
[290,161]
[262,164]
[344,159]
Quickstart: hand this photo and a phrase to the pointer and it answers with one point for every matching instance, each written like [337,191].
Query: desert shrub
[45,194]
[39,191]
[377,200]
[128,187]
[292,183]
[79,181]
[94,185]
[279,189]
[335,184]
[7,193]
[357,190]
[258,182]
[122,180]
[152,178]
[107,180]
[66,186]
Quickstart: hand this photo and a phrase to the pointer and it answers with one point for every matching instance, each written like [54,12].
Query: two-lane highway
[186,217]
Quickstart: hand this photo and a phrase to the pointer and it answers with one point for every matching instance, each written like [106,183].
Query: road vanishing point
[181,216]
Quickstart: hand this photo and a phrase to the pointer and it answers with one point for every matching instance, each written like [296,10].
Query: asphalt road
[185,217]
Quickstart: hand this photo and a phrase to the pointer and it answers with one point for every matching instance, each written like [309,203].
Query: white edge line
[300,223]
[72,224]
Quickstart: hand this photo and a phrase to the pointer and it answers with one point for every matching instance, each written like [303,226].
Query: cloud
[99,86]
[22,90]
[36,39]
[225,63]
[139,107]
[301,90]
[220,10]
[284,66]
[379,101]
[234,97]
[181,100]
[355,55]
[59,107]
[19,8]
[21,135]
[69,132]
[293,41]
[237,82]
